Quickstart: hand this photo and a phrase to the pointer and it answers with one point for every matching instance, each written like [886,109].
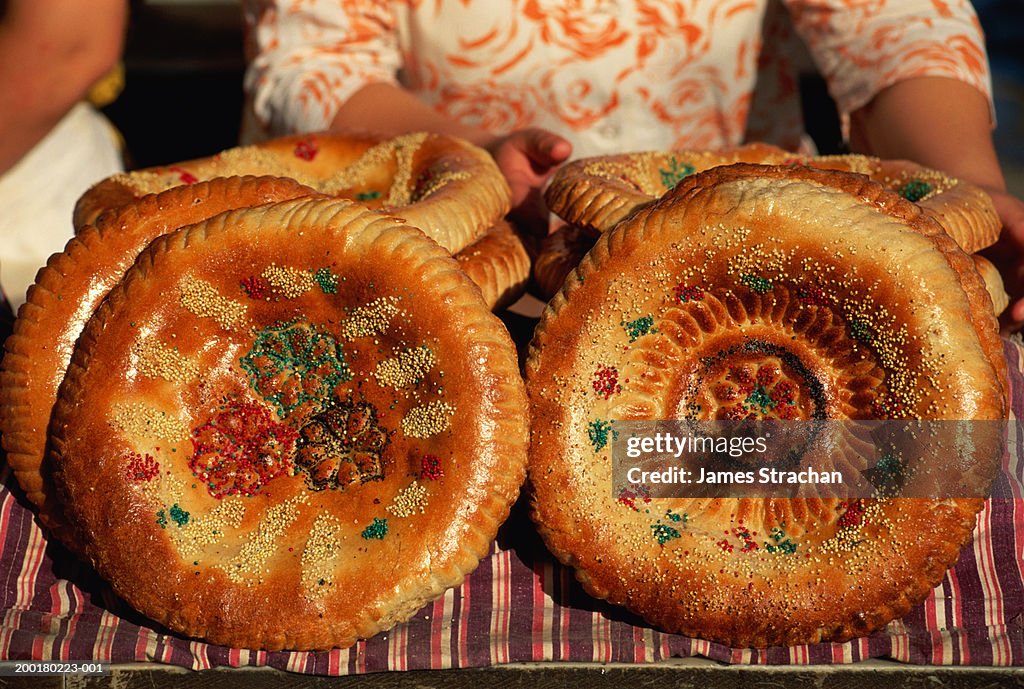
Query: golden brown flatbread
[993,283]
[498,264]
[559,253]
[289,427]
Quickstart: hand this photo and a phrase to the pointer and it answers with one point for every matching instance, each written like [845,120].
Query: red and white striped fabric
[520,606]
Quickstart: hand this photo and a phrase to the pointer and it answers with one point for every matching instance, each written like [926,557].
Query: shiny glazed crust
[498,264]
[559,253]
[66,293]
[993,283]
[445,186]
[290,427]
[963,210]
[727,279]
[596,193]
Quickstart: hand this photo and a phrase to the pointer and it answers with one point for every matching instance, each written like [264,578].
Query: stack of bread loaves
[268,414]
[273,413]
[751,292]
[593,194]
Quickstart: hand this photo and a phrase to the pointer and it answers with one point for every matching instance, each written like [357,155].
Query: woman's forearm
[390,110]
[937,122]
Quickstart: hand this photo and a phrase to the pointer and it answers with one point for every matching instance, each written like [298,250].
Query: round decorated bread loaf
[752,292]
[596,193]
[289,427]
[65,294]
[445,186]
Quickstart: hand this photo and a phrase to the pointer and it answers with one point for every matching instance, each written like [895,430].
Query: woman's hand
[1008,255]
[527,158]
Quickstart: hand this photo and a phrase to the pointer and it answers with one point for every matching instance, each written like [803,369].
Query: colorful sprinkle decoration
[763,394]
[341,445]
[861,331]
[664,533]
[184,176]
[628,498]
[760,399]
[177,515]
[746,538]
[915,190]
[675,172]
[241,449]
[306,149]
[292,364]
[812,295]
[142,467]
[255,286]
[886,476]
[327,280]
[598,432]
[639,327]
[756,284]
[431,468]
[606,381]
[853,515]
[887,408]
[779,544]
[377,530]
[687,293]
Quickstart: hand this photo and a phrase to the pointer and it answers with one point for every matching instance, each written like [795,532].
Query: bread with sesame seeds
[964,210]
[65,294]
[290,427]
[447,187]
[752,292]
[596,193]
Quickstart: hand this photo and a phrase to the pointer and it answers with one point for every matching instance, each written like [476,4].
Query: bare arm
[935,121]
[945,124]
[50,54]
[391,110]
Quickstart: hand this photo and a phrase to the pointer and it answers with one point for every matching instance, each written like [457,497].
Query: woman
[535,81]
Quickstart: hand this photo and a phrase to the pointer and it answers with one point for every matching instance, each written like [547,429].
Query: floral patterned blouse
[610,75]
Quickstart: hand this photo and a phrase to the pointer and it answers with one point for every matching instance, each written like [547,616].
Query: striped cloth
[520,606]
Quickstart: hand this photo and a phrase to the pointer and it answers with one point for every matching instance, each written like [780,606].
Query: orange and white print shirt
[610,75]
